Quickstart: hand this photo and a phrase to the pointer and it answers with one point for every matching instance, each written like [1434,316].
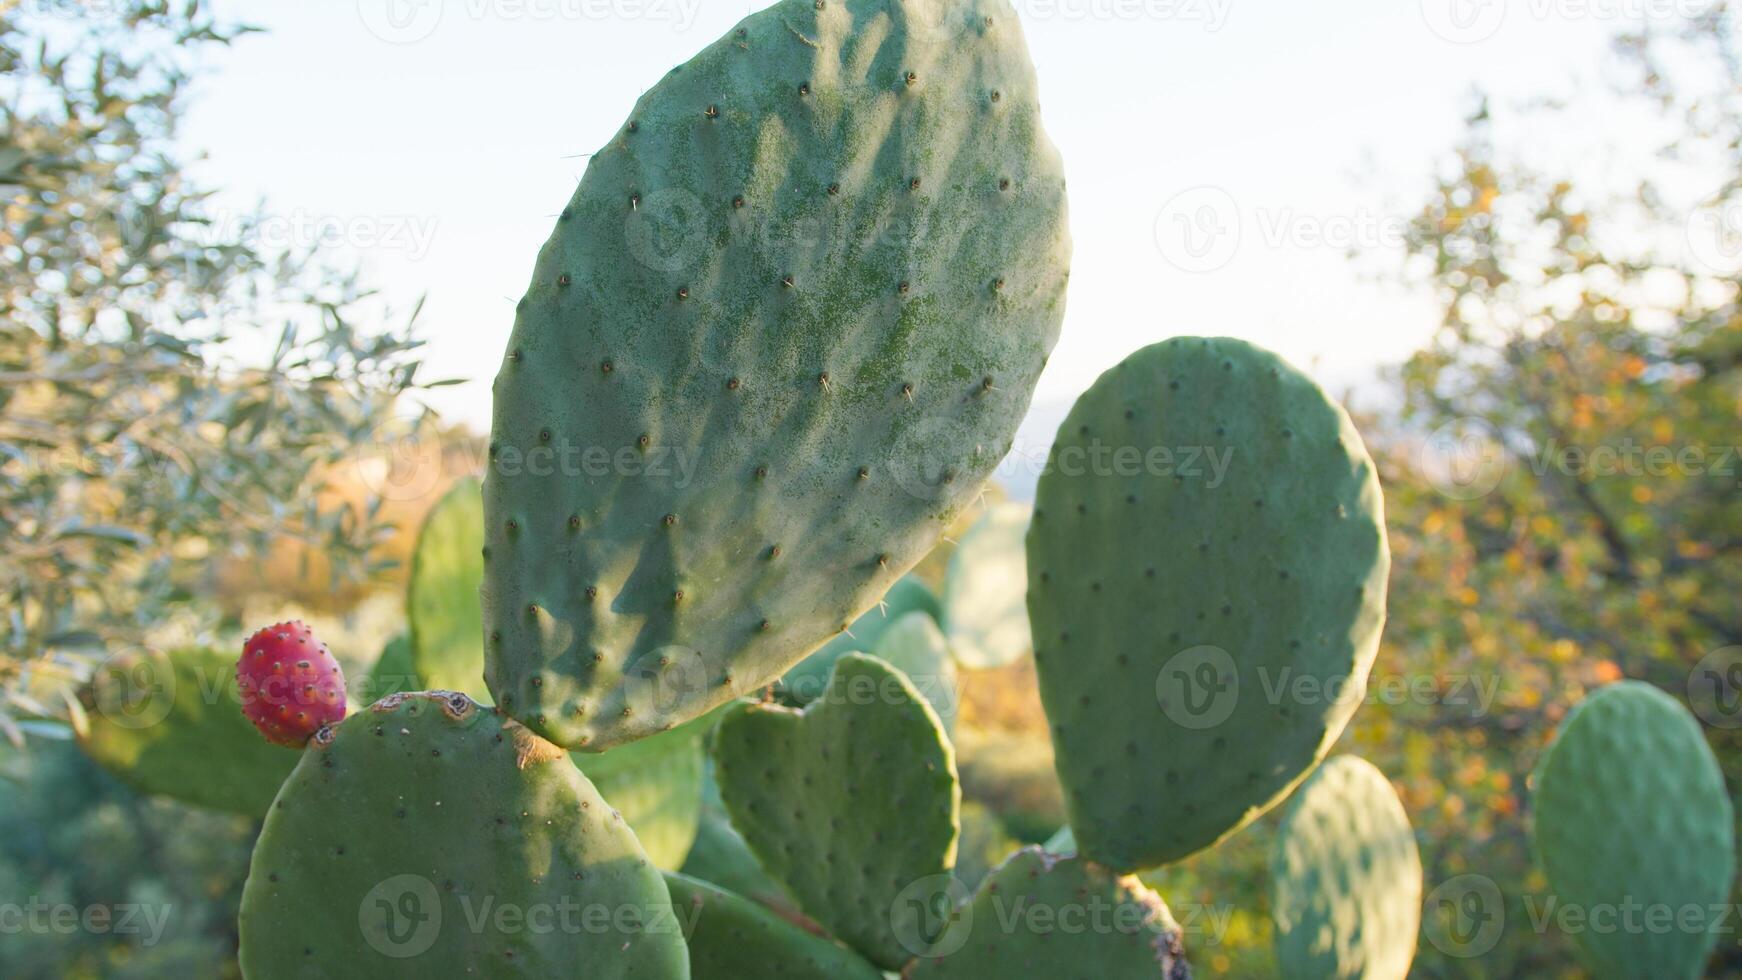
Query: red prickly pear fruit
[290,684]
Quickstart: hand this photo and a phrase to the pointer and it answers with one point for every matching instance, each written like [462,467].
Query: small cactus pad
[805,682]
[986,590]
[1207,570]
[441,599]
[851,803]
[781,334]
[915,646]
[731,937]
[427,836]
[1345,878]
[656,783]
[1072,918]
[1631,813]
[290,684]
[170,723]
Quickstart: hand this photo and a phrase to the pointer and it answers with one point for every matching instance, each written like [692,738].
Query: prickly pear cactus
[847,803]
[1631,812]
[731,937]
[1074,918]
[986,590]
[782,332]
[656,784]
[719,855]
[1345,878]
[290,684]
[171,723]
[441,599]
[915,646]
[1207,570]
[427,836]
[805,682]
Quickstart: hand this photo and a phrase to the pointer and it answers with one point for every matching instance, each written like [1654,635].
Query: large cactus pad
[782,332]
[731,937]
[1040,915]
[1632,819]
[426,836]
[1345,878]
[850,803]
[1207,570]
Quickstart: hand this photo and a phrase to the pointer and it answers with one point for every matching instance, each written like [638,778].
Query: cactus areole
[779,337]
[289,683]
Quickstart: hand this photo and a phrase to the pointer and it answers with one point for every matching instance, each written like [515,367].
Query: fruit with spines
[1206,599]
[782,332]
[407,832]
[1631,811]
[290,684]
[847,803]
[1345,878]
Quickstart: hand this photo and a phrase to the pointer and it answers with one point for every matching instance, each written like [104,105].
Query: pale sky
[1221,154]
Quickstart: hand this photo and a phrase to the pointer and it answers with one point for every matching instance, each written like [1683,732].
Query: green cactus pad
[171,724]
[731,937]
[1345,878]
[426,836]
[656,783]
[1040,915]
[847,803]
[782,332]
[986,590]
[441,600]
[915,646]
[392,673]
[719,854]
[1632,818]
[805,682]
[1207,570]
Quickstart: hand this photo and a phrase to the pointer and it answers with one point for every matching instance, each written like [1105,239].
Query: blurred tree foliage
[170,392]
[1574,516]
